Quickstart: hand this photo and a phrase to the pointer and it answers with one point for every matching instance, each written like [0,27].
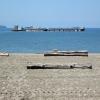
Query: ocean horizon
[40,42]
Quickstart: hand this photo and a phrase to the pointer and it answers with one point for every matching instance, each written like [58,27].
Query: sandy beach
[19,83]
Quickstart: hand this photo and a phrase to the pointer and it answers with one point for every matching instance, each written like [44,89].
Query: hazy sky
[50,13]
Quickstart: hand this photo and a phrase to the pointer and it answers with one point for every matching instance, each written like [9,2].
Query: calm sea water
[39,42]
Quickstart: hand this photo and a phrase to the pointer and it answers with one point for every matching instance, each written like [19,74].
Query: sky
[50,13]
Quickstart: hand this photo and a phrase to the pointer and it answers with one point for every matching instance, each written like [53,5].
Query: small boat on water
[67,53]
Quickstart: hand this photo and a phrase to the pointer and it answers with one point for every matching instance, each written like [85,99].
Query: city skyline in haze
[50,13]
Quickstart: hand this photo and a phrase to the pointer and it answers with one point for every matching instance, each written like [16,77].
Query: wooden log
[4,54]
[82,66]
[67,53]
[49,66]
[59,54]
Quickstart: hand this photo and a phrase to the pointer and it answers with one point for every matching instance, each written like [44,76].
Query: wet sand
[19,83]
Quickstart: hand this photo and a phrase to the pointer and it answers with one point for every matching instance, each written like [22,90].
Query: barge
[32,29]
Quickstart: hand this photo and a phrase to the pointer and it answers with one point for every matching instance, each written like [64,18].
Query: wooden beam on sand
[66,53]
[50,66]
[4,54]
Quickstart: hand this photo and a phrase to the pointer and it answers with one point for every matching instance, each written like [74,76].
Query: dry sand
[19,83]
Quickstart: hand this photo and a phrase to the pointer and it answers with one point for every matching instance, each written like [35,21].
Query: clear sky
[50,13]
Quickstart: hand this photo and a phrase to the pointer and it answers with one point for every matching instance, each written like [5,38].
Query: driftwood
[82,66]
[67,53]
[49,66]
[4,54]
[62,54]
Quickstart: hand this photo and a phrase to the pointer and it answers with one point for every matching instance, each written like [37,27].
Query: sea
[40,42]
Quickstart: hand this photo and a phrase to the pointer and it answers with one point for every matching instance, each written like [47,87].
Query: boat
[32,29]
